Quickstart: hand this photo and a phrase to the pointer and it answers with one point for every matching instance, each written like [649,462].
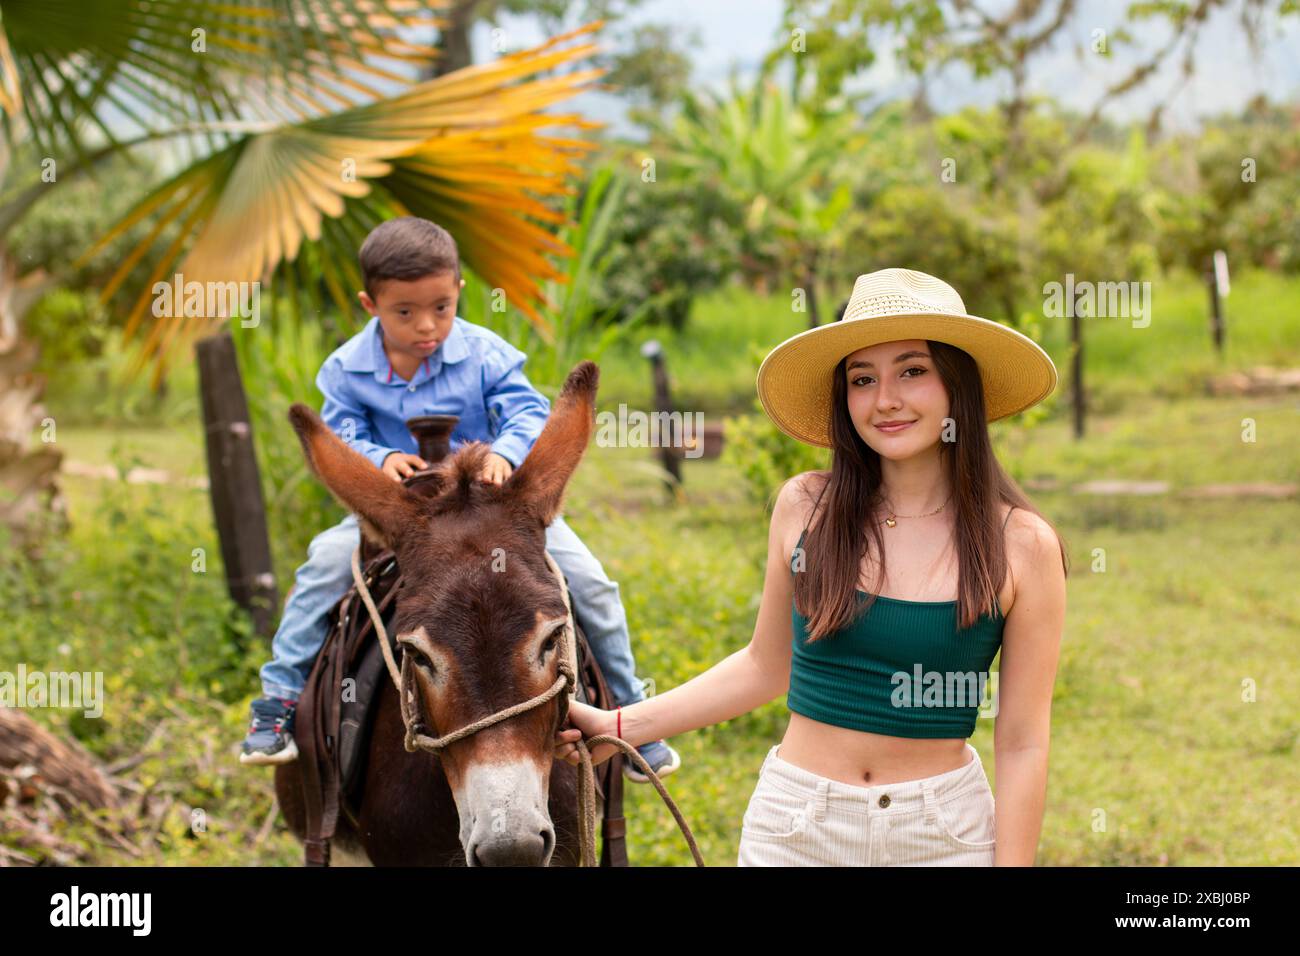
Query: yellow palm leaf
[66,64]
[464,150]
[11,94]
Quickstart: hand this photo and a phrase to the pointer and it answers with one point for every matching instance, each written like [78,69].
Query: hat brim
[794,381]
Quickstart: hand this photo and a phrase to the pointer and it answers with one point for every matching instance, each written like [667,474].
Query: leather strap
[317,721]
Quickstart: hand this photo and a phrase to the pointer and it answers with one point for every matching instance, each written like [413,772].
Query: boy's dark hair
[406,248]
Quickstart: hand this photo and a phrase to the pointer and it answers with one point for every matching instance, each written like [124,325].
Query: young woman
[892,581]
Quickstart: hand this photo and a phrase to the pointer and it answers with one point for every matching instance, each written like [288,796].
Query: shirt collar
[366,353]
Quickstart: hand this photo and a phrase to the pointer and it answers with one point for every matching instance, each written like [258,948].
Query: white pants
[798,818]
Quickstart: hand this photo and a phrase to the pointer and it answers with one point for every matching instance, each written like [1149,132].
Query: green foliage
[669,243]
[941,202]
[136,593]
[97,389]
[765,456]
[119,595]
[967,241]
[79,208]
[279,360]
[1231,187]
[780,172]
[582,309]
[136,590]
[67,325]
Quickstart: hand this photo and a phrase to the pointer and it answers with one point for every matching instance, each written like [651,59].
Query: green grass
[1149,725]
[178,451]
[1173,356]
[711,371]
[711,368]
[1194,441]
[1152,733]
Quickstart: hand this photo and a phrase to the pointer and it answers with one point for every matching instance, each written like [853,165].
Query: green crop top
[903,669]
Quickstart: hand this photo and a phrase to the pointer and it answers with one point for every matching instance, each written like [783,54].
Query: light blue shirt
[475,374]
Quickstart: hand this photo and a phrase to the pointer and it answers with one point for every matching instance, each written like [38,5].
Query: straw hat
[794,381]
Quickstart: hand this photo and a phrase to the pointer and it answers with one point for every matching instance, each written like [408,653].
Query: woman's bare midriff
[864,759]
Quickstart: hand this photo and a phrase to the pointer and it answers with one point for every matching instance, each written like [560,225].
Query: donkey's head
[480,612]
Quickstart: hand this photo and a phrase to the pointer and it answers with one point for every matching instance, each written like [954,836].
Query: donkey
[480,638]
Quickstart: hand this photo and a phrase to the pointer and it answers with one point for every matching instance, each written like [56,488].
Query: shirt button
[884,800]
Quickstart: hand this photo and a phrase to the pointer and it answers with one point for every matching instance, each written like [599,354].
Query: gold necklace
[892,520]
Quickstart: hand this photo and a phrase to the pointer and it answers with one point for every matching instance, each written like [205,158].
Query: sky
[736,34]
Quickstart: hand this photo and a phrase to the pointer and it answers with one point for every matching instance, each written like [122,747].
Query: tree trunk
[45,782]
[28,489]
[33,761]
[453,39]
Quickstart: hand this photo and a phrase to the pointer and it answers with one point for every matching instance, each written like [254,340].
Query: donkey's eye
[419,658]
[552,640]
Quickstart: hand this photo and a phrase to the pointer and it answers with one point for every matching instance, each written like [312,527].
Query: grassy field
[1175,726]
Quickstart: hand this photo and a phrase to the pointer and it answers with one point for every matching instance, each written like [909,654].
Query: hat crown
[900,292]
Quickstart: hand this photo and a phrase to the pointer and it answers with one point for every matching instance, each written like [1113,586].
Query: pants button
[884,800]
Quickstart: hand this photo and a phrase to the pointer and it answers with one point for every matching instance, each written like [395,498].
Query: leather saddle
[337,706]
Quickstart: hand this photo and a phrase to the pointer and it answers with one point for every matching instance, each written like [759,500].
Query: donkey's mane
[458,475]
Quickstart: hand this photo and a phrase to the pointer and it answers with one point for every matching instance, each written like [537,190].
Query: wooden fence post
[234,484]
[810,281]
[663,403]
[1216,280]
[1077,394]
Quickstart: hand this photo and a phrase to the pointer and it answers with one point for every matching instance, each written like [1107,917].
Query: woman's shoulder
[801,493]
[1031,542]
[1026,531]
[796,500]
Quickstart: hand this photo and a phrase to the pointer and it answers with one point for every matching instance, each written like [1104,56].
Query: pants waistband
[888,798]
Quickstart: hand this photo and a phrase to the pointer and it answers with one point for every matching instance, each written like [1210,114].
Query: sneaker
[662,759]
[270,733]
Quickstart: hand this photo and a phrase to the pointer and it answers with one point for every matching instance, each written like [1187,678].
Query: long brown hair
[836,544]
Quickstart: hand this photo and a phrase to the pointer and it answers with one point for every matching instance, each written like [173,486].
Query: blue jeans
[327,575]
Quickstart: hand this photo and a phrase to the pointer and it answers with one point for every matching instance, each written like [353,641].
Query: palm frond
[463,150]
[64,62]
[11,91]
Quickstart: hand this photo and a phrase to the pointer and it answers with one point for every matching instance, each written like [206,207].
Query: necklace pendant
[890,521]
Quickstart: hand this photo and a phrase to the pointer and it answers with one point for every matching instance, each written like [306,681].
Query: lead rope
[566,682]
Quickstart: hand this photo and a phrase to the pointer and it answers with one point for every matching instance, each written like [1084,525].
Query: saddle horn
[433,435]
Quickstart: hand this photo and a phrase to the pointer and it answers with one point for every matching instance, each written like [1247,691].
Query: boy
[417,357]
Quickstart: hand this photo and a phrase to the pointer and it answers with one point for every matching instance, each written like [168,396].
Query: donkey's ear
[385,509]
[539,482]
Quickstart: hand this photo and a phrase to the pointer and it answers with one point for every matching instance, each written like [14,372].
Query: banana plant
[783,168]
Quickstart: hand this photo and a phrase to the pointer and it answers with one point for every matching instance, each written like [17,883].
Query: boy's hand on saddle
[496,469]
[587,722]
[399,464]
